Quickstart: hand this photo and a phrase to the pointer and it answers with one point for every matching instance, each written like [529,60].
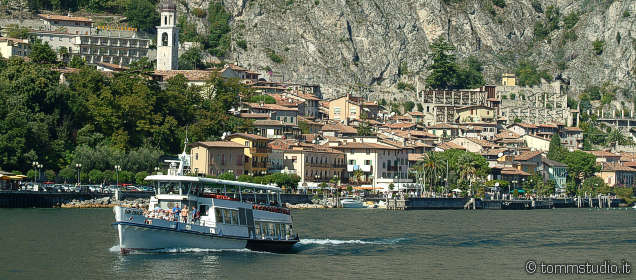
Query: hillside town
[349,140]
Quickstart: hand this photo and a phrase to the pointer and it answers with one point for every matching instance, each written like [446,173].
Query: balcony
[260,150]
[259,165]
[392,168]
[364,168]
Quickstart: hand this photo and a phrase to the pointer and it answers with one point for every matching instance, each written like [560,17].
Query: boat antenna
[183,157]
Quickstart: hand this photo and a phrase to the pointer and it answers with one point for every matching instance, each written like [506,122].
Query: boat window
[235,217]
[270,229]
[226,216]
[257,229]
[218,215]
[277,228]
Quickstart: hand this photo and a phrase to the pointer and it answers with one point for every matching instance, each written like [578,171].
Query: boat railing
[274,209]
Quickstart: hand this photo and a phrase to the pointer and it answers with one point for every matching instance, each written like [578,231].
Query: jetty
[417,203]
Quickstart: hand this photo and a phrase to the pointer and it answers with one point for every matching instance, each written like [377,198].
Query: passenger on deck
[195,214]
[176,211]
[184,214]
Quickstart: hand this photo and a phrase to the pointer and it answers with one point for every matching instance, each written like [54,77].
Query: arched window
[164,39]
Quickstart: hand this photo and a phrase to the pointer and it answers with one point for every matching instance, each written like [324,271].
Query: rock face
[361,44]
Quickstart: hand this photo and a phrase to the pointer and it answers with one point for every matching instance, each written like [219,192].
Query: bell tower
[167,37]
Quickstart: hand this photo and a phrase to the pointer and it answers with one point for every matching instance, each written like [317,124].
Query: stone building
[14,47]
[216,157]
[78,36]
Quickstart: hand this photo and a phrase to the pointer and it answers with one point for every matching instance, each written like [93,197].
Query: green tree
[444,67]
[557,152]
[16,31]
[140,177]
[31,174]
[528,74]
[267,99]
[364,129]
[142,14]
[41,53]
[227,176]
[50,175]
[77,62]
[67,174]
[408,106]
[581,165]
[95,176]
[218,42]
[191,59]
[598,46]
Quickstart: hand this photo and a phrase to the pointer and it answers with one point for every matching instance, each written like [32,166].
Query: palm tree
[433,165]
[357,175]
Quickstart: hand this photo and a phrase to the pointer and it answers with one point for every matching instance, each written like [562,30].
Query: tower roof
[167,5]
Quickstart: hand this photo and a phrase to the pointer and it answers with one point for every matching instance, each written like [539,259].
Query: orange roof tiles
[527,155]
[218,144]
[65,18]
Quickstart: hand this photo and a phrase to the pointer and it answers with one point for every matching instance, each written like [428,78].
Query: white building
[167,37]
[78,37]
[14,47]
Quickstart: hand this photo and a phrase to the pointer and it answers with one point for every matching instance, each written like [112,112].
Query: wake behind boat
[193,212]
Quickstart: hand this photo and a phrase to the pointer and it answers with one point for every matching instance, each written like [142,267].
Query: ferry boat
[223,221]
[352,202]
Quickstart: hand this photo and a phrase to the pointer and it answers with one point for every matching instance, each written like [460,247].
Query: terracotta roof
[218,144]
[339,127]
[271,123]
[190,75]
[483,143]
[400,125]
[15,40]
[65,18]
[369,103]
[549,125]
[527,155]
[248,136]
[494,152]
[272,107]
[525,125]
[602,154]
[416,113]
[450,146]
[507,134]
[413,134]
[307,96]
[358,145]
[611,166]
[572,129]
[513,171]
[254,115]
[112,66]
[415,157]
[442,125]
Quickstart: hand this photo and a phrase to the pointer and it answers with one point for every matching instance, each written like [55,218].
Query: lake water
[335,244]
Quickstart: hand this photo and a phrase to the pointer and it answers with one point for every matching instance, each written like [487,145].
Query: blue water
[335,244]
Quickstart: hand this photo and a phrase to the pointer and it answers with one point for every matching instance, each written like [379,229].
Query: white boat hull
[136,232]
[132,237]
[354,204]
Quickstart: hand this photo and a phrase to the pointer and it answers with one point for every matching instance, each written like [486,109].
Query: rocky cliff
[361,44]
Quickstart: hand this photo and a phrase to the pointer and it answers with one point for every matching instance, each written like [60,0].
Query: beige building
[216,157]
[255,152]
[378,164]
[537,143]
[315,163]
[348,108]
[508,79]
[477,113]
[14,47]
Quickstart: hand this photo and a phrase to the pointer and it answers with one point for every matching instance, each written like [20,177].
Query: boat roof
[165,178]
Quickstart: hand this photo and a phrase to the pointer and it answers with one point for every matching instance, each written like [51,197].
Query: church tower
[167,37]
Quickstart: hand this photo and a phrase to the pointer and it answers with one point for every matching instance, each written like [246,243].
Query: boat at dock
[221,221]
[352,202]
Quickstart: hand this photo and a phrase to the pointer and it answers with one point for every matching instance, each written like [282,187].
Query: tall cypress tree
[557,152]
